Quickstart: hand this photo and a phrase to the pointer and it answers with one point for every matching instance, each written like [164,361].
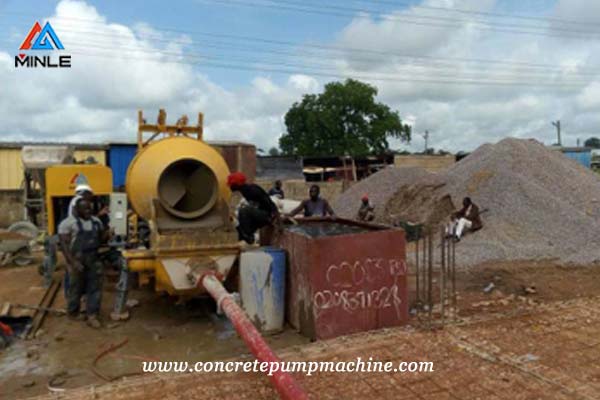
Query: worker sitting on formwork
[80,237]
[366,212]
[314,206]
[260,210]
[466,218]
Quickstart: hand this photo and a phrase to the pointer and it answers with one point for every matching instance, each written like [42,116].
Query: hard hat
[236,179]
[82,187]
[365,197]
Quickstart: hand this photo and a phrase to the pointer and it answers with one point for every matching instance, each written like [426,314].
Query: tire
[25,228]
[23,256]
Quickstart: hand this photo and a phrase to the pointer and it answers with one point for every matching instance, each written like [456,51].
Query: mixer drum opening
[188,188]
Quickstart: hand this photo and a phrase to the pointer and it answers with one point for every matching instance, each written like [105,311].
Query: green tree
[592,142]
[344,119]
[274,151]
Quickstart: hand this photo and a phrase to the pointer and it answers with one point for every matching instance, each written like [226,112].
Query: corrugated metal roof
[106,145]
[79,146]
[228,143]
[572,149]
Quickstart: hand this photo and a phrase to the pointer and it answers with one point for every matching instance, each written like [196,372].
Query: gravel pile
[381,188]
[541,205]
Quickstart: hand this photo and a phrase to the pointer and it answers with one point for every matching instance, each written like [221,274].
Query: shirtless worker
[314,206]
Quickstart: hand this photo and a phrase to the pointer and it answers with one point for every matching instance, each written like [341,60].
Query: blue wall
[582,157]
[119,157]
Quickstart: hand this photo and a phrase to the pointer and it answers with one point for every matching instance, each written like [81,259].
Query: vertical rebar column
[424,270]
[418,297]
[442,276]
[430,274]
[454,294]
[448,298]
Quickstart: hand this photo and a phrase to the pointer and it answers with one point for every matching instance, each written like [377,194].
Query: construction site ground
[506,344]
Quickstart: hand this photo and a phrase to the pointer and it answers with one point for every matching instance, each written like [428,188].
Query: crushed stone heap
[540,204]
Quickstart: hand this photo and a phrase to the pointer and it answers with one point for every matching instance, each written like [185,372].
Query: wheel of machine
[23,257]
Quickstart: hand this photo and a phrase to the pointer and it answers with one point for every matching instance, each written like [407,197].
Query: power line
[422,72]
[323,66]
[525,79]
[425,17]
[409,19]
[341,49]
[483,13]
[321,73]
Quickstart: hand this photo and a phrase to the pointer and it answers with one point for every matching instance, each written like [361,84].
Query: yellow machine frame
[215,251]
[61,182]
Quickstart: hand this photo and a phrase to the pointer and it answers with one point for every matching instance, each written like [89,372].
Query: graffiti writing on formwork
[347,281]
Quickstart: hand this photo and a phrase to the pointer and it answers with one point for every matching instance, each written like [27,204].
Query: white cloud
[462,116]
[99,97]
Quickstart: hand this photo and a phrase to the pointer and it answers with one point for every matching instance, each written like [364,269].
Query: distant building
[11,165]
[271,168]
[431,163]
[583,155]
[238,156]
[343,168]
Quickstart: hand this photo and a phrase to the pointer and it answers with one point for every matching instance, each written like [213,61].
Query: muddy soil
[159,329]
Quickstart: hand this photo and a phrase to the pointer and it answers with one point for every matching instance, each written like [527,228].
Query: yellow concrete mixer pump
[177,184]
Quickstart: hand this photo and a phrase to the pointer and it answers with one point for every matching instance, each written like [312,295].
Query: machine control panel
[118,213]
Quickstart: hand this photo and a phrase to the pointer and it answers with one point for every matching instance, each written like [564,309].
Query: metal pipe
[284,383]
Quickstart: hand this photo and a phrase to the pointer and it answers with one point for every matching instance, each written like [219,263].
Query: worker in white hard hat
[82,191]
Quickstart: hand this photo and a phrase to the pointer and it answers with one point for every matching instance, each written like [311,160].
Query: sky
[467,71]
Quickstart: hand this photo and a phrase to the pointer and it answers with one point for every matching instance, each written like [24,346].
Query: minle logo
[42,39]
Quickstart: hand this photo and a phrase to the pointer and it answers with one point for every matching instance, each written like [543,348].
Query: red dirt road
[548,352]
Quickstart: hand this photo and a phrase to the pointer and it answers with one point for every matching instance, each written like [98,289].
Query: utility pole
[426,137]
[557,125]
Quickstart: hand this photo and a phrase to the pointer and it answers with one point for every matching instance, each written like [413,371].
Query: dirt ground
[159,329]
[506,344]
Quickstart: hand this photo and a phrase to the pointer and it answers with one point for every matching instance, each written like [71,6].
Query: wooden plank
[40,314]
[5,310]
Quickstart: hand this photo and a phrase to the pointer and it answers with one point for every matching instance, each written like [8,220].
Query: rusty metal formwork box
[344,277]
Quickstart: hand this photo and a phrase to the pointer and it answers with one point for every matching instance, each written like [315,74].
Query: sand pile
[540,203]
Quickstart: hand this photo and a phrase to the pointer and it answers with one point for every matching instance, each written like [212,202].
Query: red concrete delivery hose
[286,385]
